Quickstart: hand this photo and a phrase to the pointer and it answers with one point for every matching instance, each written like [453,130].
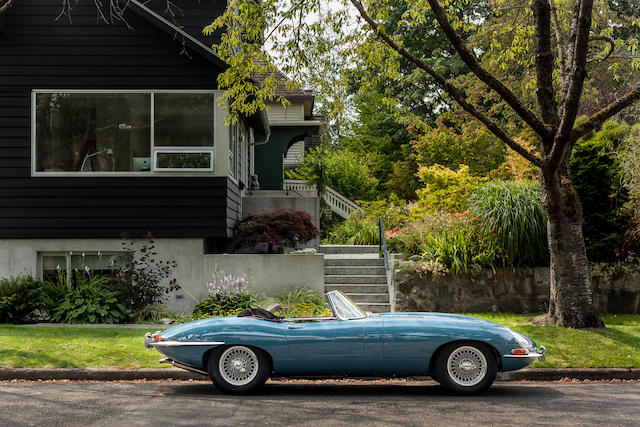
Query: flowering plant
[393,233]
[228,294]
[227,283]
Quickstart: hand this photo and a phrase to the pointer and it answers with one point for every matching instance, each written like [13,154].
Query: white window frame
[153,149]
[67,257]
[182,150]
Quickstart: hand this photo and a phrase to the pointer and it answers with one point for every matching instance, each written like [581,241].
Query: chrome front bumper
[539,354]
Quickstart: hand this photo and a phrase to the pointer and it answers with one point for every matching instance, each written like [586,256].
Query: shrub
[459,248]
[224,304]
[145,280]
[302,302]
[228,294]
[513,214]
[597,176]
[355,230]
[629,157]
[393,211]
[20,298]
[283,226]
[444,189]
[89,300]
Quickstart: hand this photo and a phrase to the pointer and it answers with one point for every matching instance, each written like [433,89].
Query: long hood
[454,320]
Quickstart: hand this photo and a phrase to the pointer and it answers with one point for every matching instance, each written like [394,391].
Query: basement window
[96,263]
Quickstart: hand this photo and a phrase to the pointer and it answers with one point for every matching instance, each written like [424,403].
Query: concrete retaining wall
[271,274]
[525,291]
[267,274]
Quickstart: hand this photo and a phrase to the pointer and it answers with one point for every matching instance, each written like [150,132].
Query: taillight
[157,337]
[519,352]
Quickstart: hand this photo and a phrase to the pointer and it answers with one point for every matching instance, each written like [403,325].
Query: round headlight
[522,340]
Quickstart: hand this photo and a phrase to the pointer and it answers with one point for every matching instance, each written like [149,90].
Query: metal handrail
[387,266]
[383,245]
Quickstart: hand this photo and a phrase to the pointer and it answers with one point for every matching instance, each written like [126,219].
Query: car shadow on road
[289,389]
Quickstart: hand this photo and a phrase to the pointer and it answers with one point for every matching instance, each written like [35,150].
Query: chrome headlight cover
[523,340]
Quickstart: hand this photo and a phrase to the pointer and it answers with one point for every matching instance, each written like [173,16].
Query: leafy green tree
[452,144]
[597,176]
[556,43]
[344,170]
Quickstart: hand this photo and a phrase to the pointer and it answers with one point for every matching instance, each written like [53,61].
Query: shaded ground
[316,403]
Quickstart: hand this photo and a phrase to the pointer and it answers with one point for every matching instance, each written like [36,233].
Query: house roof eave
[171,29]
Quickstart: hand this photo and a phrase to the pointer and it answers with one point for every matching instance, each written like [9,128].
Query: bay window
[123,131]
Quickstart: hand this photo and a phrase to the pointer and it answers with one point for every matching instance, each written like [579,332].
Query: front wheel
[466,368]
[238,369]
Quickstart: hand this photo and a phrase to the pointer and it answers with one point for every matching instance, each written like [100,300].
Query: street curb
[113,374]
[97,374]
[595,374]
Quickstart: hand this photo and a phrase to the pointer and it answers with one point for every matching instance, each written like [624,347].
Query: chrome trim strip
[184,343]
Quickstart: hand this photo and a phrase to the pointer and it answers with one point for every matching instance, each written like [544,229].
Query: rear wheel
[466,368]
[238,369]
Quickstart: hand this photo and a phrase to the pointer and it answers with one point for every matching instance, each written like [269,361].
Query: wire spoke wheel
[238,365]
[467,366]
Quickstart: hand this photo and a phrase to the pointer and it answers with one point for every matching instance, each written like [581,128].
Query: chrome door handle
[294,327]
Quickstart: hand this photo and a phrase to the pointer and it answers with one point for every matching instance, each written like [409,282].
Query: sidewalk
[111,374]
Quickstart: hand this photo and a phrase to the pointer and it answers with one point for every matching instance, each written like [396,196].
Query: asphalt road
[317,403]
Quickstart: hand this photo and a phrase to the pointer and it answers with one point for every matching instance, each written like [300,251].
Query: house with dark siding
[112,129]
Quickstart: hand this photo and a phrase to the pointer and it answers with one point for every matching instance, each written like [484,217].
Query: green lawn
[75,348]
[617,346]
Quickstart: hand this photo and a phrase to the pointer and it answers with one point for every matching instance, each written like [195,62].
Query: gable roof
[171,29]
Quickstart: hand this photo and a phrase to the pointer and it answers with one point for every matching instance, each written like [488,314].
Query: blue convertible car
[239,353]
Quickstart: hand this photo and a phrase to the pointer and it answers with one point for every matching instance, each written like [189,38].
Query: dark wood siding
[38,52]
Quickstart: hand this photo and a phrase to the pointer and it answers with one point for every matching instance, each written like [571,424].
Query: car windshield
[343,308]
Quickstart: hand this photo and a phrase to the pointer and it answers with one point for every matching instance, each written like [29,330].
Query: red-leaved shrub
[283,226]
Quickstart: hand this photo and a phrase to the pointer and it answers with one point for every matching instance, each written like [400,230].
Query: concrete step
[355,279]
[349,249]
[368,298]
[360,262]
[355,270]
[376,307]
[356,289]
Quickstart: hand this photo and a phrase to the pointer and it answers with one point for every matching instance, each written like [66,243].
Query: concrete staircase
[357,271]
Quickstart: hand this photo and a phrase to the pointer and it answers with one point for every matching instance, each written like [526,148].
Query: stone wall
[525,291]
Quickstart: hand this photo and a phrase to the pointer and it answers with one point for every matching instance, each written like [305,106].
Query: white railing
[337,202]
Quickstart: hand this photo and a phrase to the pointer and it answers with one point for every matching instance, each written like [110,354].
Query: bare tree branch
[577,74]
[570,51]
[7,4]
[559,43]
[472,62]
[612,46]
[545,64]
[606,113]
[448,87]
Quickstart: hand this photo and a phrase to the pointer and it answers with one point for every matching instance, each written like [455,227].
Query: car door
[327,339]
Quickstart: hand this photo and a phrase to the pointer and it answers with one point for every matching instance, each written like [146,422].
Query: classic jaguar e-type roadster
[239,353]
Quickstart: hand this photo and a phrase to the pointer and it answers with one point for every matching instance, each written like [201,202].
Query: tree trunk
[571,301]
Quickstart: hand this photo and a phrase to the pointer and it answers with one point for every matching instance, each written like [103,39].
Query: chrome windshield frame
[335,298]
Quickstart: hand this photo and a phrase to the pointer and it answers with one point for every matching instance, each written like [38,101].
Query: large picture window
[112,132]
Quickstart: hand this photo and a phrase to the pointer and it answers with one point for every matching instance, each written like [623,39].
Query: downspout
[265,121]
